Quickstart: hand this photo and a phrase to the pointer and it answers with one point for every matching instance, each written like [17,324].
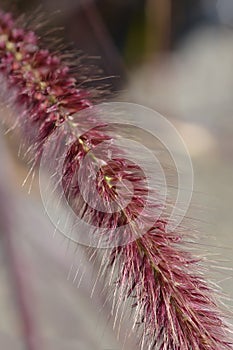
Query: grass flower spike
[173,306]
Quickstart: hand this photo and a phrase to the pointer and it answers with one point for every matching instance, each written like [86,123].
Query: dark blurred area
[124,33]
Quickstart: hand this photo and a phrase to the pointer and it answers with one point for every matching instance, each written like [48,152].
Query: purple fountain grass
[174,307]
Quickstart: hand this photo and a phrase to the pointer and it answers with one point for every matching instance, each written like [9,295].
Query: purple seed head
[174,307]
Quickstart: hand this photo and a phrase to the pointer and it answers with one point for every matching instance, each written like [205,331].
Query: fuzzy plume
[174,307]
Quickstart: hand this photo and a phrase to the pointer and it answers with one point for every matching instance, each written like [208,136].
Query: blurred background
[173,56]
